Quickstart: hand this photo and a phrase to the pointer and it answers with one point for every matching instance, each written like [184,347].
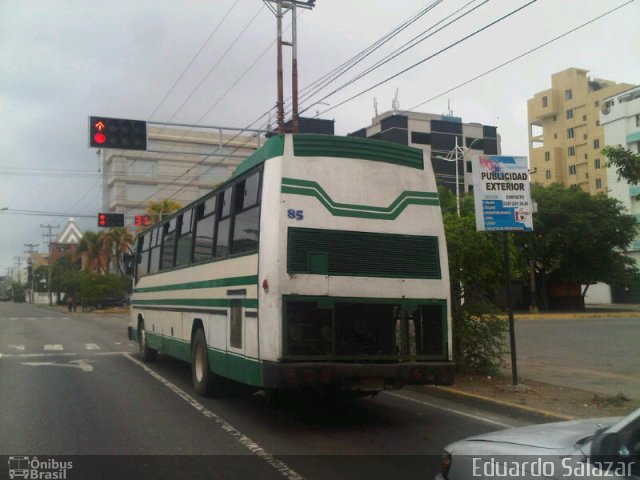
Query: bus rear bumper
[359,377]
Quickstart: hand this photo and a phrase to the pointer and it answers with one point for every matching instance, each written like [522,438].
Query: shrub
[95,287]
[480,339]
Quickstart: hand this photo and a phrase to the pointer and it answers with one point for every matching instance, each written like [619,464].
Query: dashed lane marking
[35,318]
[53,348]
[92,346]
[245,441]
[63,354]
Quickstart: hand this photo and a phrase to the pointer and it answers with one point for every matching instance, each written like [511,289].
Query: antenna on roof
[395,103]
[375,106]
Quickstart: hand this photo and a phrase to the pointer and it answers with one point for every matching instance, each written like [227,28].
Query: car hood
[552,437]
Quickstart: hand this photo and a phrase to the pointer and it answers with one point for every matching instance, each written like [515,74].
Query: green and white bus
[320,264]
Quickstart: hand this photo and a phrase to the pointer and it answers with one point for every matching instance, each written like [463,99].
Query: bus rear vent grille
[362,254]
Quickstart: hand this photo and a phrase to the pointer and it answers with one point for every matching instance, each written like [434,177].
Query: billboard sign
[502,193]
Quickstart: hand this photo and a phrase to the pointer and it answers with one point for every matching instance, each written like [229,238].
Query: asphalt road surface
[73,388]
[596,354]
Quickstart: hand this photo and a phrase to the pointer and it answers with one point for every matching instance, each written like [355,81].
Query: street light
[456,155]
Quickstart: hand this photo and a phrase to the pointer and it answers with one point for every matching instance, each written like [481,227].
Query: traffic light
[107,220]
[121,133]
[142,220]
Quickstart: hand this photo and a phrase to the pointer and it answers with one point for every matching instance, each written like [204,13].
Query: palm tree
[90,249]
[157,210]
[117,242]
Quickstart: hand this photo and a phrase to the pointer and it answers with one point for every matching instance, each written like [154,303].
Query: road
[596,354]
[71,385]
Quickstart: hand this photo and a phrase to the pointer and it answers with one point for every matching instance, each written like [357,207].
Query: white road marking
[17,347]
[451,410]
[57,347]
[117,343]
[67,354]
[252,446]
[92,346]
[81,363]
[35,318]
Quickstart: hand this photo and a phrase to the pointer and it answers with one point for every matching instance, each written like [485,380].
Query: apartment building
[620,119]
[180,163]
[438,136]
[565,134]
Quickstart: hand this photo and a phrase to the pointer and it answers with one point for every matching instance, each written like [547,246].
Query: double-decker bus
[321,263]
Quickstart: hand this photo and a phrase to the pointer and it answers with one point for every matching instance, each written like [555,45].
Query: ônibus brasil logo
[35,469]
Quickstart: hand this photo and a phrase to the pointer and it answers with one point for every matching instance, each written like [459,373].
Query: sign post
[502,196]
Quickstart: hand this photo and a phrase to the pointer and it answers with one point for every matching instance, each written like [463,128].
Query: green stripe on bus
[248,280]
[308,145]
[236,367]
[230,365]
[313,189]
[196,302]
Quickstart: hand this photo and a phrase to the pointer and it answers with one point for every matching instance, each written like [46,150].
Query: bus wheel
[148,354]
[203,378]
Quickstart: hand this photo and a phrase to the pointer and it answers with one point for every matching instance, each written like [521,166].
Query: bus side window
[224,224]
[185,241]
[169,244]
[143,256]
[246,220]
[156,245]
[204,231]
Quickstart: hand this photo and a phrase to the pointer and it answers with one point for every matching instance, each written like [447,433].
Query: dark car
[106,302]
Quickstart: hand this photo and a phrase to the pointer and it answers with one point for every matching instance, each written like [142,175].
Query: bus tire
[203,378]
[147,353]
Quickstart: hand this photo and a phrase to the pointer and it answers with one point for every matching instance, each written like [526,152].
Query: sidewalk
[537,401]
[610,310]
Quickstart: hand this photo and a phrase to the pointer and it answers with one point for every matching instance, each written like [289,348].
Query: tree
[475,258]
[90,249]
[156,210]
[476,269]
[626,162]
[578,238]
[116,243]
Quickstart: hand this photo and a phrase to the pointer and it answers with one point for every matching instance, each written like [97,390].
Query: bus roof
[314,145]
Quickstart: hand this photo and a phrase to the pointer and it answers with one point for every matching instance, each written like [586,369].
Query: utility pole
[31,251]
[49,236]
[18,261]
[280,9]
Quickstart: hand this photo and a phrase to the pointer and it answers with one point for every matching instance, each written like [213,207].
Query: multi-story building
[565,135]
[438,136]
[180,163]
[620,119]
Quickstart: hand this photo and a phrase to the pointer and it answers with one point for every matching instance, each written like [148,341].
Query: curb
[494,405]
[571,316]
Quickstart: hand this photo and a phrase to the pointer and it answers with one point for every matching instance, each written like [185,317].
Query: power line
[518,57]
[353,61]
[463,39]
[424,35]
[212,69]
[206,42]
[400,50]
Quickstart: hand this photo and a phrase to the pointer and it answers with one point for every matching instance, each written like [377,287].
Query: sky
[213,62]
